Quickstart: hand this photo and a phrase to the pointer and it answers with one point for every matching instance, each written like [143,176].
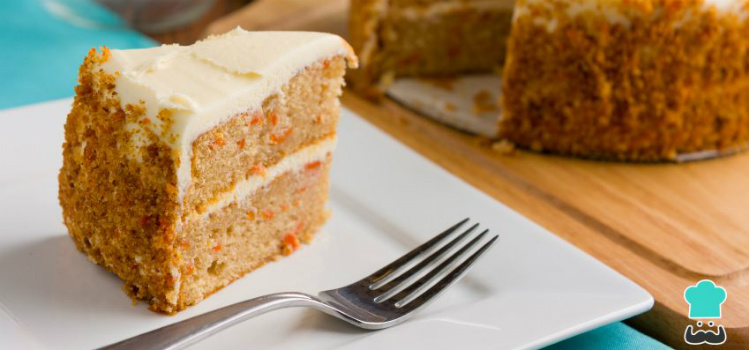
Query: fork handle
[192,330]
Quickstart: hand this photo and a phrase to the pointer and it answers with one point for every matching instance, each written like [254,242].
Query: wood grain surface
[665,226]
[191,32]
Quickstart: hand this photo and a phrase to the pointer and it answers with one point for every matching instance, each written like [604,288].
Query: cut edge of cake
[418,38]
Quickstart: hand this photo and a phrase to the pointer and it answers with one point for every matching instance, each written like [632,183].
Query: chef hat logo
[705,299]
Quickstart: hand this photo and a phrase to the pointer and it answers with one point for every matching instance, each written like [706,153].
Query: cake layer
[445,40]
[184,91]
[304,111]
[242,236]
[642,80]
[404,38]
[310,154]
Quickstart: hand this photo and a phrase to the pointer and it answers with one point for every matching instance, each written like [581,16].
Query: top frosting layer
[619,11]
[204,84]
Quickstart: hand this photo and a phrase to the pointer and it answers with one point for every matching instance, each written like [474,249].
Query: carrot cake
[186,167]
[395,38]
[622,79]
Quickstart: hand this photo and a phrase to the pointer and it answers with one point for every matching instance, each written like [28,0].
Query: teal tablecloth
[40,53]
[39,62]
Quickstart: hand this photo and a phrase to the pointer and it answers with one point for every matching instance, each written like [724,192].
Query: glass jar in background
[148,16]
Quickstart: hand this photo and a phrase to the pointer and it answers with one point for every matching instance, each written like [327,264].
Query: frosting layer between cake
[294,162]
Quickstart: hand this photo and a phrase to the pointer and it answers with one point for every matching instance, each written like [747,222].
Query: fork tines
[426,271]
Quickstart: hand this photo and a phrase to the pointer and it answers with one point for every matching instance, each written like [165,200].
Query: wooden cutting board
[665,226]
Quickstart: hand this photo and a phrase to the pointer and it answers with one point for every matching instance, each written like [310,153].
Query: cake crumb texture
[630,80]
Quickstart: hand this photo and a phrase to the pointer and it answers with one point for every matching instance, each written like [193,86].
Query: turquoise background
[39,62]
[40,54]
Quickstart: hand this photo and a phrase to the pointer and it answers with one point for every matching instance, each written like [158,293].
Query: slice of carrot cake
[186,167]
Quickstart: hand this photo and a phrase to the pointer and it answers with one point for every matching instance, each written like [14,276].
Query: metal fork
[381,300]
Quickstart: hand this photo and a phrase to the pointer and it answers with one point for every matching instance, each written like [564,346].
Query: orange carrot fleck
[241,143]
[216,248]
[169,236]
[258,169]
[281,137]
[273,118]
[284,207]
[296,203]
[251,214]
[256,119]
[290,243]
[312,165]
[218,140]
[163,223]
[300,190]
[267,214]
[145,121]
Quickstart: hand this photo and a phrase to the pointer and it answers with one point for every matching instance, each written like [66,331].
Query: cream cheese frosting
[205,84]
[613,11]
[441,8]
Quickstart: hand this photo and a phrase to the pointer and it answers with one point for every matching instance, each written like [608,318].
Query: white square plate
[530,290]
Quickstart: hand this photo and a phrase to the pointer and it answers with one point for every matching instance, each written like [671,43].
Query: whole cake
[622,79]
[641,80]
[186,167]
[395,38]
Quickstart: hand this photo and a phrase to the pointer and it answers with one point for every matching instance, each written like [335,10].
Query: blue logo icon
[705,299]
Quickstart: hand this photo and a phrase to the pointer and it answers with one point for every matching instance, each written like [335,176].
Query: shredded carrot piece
[267,213]
[217,248]
[312,165]
[163,223]
[281,137]
[258,169]
[273,118]
[290,243]
[256,119]
[219,140]
[241,143]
